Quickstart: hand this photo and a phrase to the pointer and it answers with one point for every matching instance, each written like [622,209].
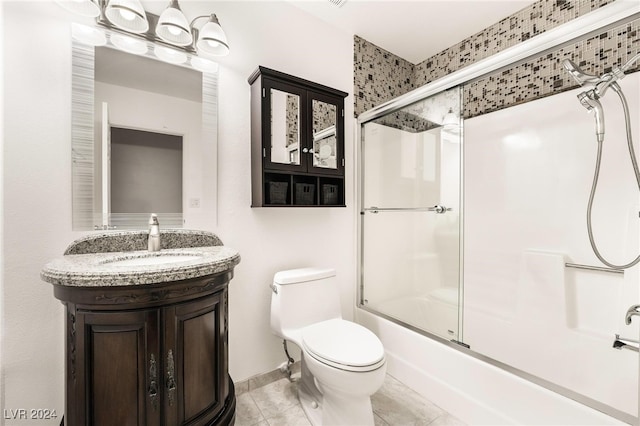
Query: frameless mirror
[285,127]
[324,135]
[143,140]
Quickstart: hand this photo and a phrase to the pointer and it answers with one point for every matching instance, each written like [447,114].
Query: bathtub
[469,386]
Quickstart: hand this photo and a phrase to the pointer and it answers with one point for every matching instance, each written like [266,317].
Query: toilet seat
[344,345]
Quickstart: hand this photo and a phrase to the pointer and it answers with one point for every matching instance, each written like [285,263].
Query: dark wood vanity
[297,142]
[152,356]
[147,353]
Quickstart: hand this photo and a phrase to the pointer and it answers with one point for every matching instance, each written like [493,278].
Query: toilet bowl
[343,363]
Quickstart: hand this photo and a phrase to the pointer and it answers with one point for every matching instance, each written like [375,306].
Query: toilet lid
[343,344]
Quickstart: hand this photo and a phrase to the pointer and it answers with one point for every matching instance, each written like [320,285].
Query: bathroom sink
[121,258]
[153,259]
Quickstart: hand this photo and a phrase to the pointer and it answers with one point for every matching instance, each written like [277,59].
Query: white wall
[37,184]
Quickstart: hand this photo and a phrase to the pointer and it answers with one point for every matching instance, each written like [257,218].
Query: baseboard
[264,379]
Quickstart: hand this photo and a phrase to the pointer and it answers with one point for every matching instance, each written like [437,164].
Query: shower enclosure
[473,232]
[411,217]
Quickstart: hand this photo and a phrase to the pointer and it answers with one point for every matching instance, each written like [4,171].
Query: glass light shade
[129,44]
[212,39]
[450,121]
[173,27]
[171,56]
[81,7]
[128,15]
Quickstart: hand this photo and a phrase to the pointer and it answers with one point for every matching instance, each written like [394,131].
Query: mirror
[145,172]
[285,127]
[170,169]
[324,135]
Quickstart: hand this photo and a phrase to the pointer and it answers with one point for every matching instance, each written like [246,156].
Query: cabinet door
[122,366]
[284,126]
[325,134]
[196,379]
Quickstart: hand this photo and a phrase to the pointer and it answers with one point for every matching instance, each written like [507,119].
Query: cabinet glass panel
[324,135]
[285,127]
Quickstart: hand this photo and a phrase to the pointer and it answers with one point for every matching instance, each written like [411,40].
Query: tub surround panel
[534,79]
[518,162]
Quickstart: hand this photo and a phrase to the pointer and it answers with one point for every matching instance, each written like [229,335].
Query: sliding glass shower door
[411,215]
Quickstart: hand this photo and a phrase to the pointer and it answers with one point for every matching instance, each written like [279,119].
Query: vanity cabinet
[297,141]
[148,355]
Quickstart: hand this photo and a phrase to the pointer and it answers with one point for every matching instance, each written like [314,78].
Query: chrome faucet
[154,233]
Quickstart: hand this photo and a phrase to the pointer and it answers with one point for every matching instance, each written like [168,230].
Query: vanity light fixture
[95,36]
[212,39]
[450,121]
[451,127]
[173,26]
[127,15]
[170,28]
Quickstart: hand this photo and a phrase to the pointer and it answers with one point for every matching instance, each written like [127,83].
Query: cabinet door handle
[153,382]
[171,382]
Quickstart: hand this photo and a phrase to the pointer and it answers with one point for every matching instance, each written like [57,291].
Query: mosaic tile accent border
[378,75]
[545,75]
[537,78]
[539,17]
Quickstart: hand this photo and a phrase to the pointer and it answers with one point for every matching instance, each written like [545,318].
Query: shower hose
[634,162]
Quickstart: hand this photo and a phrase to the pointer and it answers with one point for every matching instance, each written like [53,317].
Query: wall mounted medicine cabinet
[297,142]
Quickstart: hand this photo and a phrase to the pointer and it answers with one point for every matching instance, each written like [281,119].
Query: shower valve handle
[631,312]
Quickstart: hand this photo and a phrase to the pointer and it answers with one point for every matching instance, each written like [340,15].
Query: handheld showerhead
[580,76]
[598,112]
[590,101]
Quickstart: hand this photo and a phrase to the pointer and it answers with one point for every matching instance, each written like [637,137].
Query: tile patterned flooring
[276,404]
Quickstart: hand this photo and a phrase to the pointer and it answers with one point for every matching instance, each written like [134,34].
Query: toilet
[343,363]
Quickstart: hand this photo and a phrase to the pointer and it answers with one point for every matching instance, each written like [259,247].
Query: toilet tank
[301,297]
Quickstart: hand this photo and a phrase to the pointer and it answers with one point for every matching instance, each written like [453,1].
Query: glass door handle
[439,209]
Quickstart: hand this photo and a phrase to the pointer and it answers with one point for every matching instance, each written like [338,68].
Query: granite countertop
[103,260]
